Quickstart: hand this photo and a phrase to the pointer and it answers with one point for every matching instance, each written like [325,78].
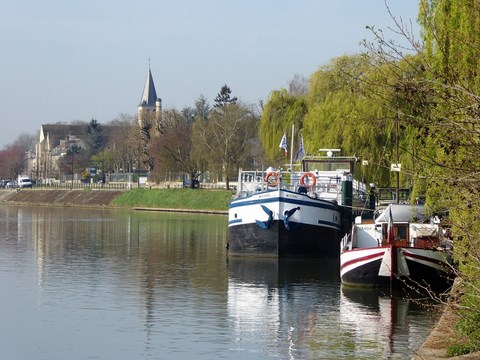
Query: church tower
[150,108]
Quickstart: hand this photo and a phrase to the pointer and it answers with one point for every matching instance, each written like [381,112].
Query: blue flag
[300,150]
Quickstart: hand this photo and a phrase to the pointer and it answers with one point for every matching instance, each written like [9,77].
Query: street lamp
[72,169]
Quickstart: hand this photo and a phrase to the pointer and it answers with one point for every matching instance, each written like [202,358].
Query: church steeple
[149,96]
[150,107]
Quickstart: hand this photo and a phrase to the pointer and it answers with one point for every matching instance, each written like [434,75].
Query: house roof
[55,133]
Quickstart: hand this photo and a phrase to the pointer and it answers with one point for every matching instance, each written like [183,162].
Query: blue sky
[82,59]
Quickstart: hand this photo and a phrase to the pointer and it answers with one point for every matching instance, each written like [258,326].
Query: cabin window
[401,232]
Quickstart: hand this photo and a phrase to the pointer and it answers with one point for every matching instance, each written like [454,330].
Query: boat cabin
[411,228]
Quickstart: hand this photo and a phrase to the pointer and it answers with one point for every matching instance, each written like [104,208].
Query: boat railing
[346,242]
[327,186]
[250,182]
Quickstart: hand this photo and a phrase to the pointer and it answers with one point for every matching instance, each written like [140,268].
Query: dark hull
[366,276]
[304,241]
[422,277]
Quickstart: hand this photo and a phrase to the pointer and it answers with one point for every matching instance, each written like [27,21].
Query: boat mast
[291,148]
[396,150]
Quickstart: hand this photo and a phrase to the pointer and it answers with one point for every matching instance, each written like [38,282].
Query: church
[150,106]
[55,139]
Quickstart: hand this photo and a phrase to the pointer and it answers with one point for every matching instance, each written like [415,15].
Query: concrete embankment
[59,197]
[86,198]
[444,335]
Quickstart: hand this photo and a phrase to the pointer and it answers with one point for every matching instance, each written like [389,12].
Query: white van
[24,181]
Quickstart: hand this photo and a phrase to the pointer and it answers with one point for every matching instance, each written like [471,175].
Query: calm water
[91,284]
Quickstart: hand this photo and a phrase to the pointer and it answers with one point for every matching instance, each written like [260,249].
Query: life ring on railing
[311,183]
[272,182]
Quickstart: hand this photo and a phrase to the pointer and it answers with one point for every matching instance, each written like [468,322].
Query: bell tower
[150,108]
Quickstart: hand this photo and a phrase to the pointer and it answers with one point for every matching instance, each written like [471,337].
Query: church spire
[150,107]
[149,97]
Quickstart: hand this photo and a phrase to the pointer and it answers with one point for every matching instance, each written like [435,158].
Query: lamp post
[72,168]
[73,150]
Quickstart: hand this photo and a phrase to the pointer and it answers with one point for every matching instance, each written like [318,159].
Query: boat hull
[282,223]
[398,267]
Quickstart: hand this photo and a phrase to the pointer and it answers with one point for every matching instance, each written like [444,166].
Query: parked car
[187,183]
[11,185]
[3,183]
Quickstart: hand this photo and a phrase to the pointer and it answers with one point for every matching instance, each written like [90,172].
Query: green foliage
[175,199]
[106,160]
[354,104]
[95,138]
[344,73]
[469,320]
[467,326]
[223,97]
[451,33]
[460,349]
[279,114]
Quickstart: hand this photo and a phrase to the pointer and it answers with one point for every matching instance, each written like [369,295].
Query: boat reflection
[387,323]
[282,303]
[297,309]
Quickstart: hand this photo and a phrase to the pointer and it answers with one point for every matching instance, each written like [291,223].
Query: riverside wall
[59,197]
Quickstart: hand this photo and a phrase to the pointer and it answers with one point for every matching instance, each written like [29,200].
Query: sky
[66,60]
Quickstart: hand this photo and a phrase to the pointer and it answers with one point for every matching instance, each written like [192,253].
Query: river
[110,284]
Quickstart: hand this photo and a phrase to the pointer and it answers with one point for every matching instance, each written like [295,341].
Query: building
[150,108]
[55,140]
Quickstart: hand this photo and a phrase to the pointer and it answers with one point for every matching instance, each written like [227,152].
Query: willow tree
[447,123]
[279,114]
[342,114]
[451,33]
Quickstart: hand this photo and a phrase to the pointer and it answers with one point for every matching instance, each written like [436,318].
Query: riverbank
[185,200]
[444,335]
[95,198]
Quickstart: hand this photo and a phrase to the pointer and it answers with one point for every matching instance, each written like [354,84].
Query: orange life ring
[274,181]
[311,183]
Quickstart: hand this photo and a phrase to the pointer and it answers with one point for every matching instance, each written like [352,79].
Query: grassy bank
[196,199]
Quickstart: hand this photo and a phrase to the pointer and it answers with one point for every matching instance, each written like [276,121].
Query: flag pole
[291,149]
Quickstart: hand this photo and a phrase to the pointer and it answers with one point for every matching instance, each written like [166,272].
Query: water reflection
[281,304]
[121,284]
[384,325]
[296,309]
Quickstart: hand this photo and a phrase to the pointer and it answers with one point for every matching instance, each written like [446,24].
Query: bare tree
[26,141]
[298,86]
[11,161]
[127,142]
[225,136]
[172,149]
